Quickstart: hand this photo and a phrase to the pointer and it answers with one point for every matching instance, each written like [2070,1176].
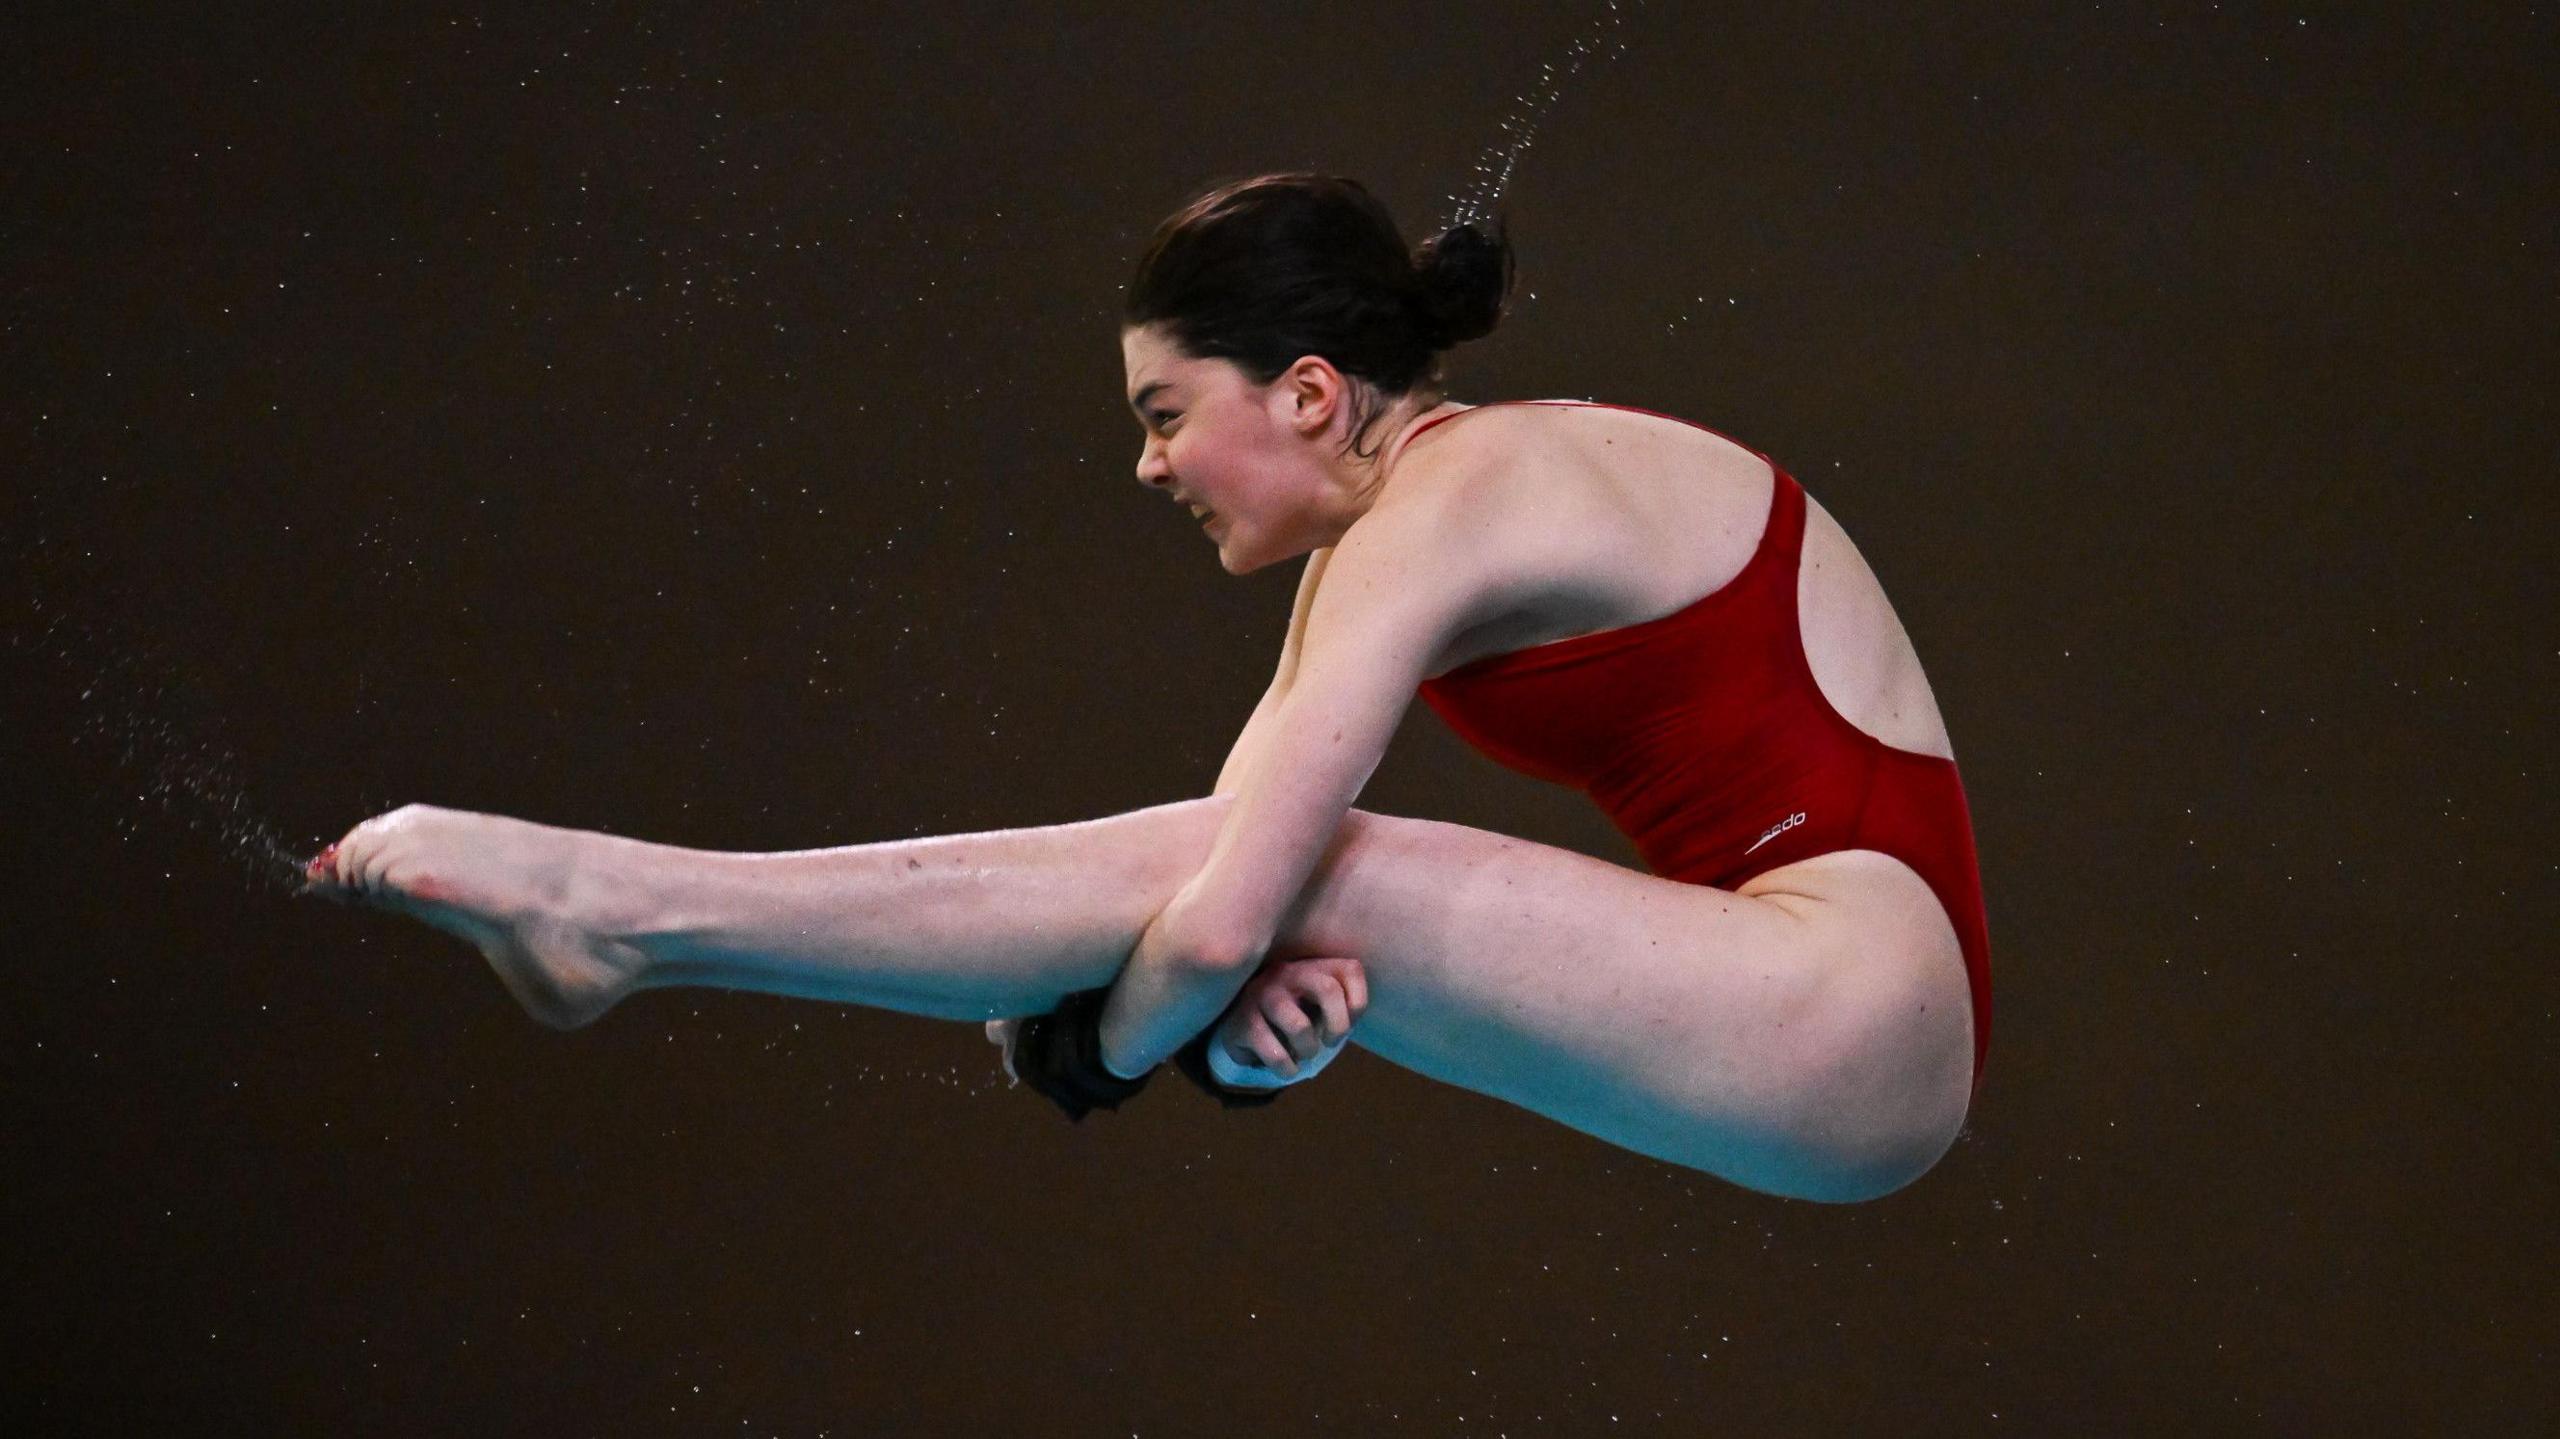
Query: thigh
[1696,1025]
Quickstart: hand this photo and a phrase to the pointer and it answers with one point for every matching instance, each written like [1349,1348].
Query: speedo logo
[1775,830]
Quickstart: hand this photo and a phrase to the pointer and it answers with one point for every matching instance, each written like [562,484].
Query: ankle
[614,889]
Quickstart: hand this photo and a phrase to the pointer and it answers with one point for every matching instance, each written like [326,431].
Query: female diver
[1795,998]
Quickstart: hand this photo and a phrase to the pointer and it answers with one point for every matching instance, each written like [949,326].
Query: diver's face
[1215,446]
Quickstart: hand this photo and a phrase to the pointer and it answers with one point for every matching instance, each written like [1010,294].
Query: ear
[1318,395]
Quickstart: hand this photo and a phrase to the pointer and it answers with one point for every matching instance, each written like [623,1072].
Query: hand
[1269,1025]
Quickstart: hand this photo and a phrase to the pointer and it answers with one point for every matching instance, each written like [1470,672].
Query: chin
[1240,562]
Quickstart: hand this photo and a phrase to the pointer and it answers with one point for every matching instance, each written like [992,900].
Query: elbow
[1222,950]
[1181,943]
[1222,954]
[1186,939]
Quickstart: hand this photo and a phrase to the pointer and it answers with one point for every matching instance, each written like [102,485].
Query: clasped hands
[1288,1013]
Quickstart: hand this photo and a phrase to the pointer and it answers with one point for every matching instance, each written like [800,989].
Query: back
[1623,517]
[1702,733]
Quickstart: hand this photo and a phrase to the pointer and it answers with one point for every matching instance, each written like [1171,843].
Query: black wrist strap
[1059,1054]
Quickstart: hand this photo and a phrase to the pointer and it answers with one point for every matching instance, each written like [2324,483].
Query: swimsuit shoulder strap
[1416,432]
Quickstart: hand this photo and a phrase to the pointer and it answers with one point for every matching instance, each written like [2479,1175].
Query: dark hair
[1265,271]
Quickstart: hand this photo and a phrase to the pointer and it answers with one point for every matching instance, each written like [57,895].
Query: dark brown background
[708,428]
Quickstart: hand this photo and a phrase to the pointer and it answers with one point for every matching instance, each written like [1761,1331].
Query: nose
[1152,470]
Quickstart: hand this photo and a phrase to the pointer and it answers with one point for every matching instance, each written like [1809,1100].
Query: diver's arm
[1407,580]
[1257,730]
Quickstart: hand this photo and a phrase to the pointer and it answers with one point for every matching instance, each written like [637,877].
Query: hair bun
[1464,275]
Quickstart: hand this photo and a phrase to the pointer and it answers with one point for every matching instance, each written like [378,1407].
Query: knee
[1879,1116]
[1855,1177]
[1874,1154]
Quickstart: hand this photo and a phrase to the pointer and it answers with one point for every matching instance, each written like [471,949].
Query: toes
[320,873]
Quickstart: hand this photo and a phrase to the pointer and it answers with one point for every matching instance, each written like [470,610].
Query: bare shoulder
[1507,499]
[1438,554]
[1525,522]
[1464,525]
[1476,450]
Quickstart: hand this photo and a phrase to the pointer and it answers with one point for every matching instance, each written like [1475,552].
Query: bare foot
[506,885]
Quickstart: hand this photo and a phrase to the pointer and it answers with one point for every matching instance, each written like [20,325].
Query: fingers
[1352,978]
[1275,1056]
[1314,1018]
[1295,1010]
[1355,985]
[1337,1013]
[1280,1012]
[1259,1045]
[1319,1002]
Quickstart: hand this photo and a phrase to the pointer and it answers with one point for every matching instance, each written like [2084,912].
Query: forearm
[1166,993]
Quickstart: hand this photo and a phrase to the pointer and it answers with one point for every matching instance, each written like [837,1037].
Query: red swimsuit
[1704,738]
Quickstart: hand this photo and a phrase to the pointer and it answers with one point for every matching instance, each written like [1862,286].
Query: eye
[1165,421]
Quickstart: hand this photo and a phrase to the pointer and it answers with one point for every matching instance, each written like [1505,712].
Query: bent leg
[1779,1042]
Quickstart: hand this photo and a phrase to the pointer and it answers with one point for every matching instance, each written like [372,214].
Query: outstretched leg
[972,926]
[1806,1047]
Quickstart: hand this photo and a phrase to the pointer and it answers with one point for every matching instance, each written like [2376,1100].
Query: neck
[1364,479]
